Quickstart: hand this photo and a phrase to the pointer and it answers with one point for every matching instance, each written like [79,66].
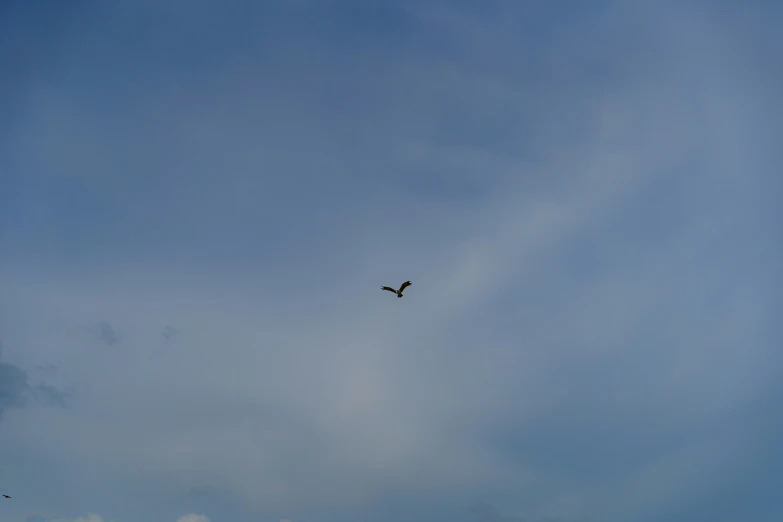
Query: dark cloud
[48,394]
[108,334]
[15,390]
[13,387]
[169,333]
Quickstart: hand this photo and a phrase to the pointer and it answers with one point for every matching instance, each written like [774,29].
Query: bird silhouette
[398,292]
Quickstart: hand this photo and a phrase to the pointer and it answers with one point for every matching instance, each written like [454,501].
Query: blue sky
[199,203]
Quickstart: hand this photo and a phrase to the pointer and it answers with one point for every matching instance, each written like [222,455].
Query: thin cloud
[193,518]
[88,518]
[16,391]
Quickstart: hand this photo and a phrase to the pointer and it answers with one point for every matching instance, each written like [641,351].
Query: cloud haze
[200,201]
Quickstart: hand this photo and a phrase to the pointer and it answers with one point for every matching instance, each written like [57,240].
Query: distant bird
[6,496]
[405,285]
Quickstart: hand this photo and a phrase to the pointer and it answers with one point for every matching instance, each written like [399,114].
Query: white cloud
[89,518]
[193,518]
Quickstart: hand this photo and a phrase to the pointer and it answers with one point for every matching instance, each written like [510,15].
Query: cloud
[168,333]
[88,518]
[15,390]
[13,387]
[193,518]
[48,394]
[97,518]
[107,333]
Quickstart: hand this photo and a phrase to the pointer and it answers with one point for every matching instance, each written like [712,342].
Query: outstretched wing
[405,285]
[390,289]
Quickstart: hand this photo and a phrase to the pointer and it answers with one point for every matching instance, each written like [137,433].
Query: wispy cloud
[88,518]
[193,518]
[15,390]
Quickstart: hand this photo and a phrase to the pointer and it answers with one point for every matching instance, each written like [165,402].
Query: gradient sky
[200,200]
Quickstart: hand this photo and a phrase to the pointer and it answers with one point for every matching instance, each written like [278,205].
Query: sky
[200,200]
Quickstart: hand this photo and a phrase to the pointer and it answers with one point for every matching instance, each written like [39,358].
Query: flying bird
[6,496]
[405,285]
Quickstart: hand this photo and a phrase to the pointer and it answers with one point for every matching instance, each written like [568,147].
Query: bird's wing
[390,289]
[405,285]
